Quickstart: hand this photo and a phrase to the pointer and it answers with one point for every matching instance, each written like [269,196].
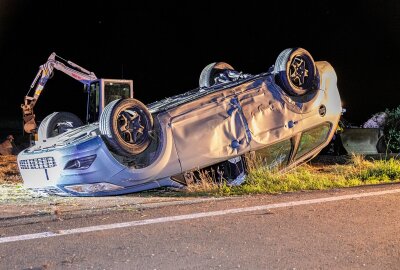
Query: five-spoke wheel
[296,72]
[126,124]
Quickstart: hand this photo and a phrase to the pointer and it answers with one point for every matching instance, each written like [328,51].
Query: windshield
[115,90]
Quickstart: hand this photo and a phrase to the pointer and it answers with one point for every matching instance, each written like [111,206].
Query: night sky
[164,47]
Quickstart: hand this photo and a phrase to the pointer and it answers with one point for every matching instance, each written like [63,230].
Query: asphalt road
[290,231]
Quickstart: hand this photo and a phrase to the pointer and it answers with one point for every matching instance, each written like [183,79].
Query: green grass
[356,172]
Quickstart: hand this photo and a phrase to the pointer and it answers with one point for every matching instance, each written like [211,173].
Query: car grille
[37,163]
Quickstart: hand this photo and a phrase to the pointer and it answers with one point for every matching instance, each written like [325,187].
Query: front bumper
[44,171]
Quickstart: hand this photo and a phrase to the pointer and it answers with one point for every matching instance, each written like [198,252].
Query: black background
[163,47]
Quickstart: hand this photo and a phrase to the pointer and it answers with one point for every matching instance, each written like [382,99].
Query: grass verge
[356,172]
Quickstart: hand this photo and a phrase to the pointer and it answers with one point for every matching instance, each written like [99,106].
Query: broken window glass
[275,156]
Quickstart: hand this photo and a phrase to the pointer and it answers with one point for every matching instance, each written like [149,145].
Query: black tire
[211,71]
[296,72]
[58,123]
[126,125]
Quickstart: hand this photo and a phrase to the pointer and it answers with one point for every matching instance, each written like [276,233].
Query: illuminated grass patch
[356,172]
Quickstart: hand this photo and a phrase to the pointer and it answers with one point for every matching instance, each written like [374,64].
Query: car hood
[70,137]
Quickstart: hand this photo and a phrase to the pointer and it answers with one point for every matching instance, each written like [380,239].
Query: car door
[210,132]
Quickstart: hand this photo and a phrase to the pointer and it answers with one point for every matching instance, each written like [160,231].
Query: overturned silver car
[286,115]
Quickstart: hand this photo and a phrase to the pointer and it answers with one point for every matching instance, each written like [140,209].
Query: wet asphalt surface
[361,233]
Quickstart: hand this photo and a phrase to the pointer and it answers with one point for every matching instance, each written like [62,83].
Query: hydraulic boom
[45,72]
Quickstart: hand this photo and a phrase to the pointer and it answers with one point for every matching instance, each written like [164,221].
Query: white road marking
[190,216]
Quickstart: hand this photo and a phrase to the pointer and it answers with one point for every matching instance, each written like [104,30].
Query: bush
[392,129]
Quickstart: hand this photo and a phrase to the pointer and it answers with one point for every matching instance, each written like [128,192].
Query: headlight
[93,188]
[80,163]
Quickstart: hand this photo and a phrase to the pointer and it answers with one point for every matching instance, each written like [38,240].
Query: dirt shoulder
[20,205]
[40,209]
